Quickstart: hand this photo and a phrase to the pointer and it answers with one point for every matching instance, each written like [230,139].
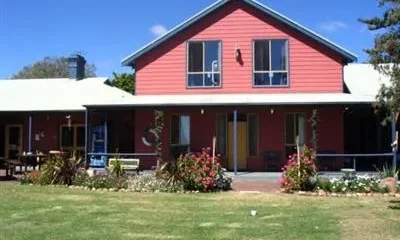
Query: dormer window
[204,64]
[270,63]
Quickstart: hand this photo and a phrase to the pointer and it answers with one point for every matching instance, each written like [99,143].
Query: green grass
[31,212]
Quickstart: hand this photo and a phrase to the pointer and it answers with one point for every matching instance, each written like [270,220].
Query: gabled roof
[347,55]
[55,95]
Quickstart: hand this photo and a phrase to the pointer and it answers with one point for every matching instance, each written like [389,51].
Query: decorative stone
[334,195]
[321,193]
[349,195]
[386,194]
[397,195]
[390,183]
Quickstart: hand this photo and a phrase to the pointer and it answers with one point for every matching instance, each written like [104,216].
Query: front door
[241,147]
[13,140]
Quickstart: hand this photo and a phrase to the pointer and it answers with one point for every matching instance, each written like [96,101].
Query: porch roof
[239,100]
[57,94]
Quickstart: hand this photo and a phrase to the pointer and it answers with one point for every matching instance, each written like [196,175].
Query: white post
[235,142]
[30,135]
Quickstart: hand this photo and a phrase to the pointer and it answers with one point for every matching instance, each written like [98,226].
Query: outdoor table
[32,159]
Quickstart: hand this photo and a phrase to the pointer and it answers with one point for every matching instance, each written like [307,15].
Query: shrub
[105,181]
[298,172]
[61,169]
[388,172]
[199,171]
[116,167]
[150,183]
[360,184]
[33,177]
[223,182]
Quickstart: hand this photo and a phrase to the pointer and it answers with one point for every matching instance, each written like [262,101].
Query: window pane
[184,130]
[261,55]
[212,57]
[212,79]
[279,79]
[80,136]
[196,57]
[300,128]
[278,54]
[261,79]
[67,137]
[290,130]
[195,80]
[221,135]
[253,135]
[175,129]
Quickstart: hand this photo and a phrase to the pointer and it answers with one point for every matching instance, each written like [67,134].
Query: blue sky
[107,31]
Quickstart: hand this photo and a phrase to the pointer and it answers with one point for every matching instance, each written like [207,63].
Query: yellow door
[242,145]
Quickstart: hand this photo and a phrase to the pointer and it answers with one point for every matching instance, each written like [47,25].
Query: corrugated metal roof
[60,94]
[240,100]
[130,60]
[363,79]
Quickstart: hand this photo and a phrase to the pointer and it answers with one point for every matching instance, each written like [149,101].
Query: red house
[246,74]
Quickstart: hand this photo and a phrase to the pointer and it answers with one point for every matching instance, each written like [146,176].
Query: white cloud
[332,26]
[158,30]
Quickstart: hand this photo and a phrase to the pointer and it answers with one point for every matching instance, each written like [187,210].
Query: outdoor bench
[127,164]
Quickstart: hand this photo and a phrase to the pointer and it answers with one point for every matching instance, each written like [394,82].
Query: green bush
[34,177]
[104,181]
[360,184]
[299,171]
[61,169]
[388,172]
[116,167]
[150,183]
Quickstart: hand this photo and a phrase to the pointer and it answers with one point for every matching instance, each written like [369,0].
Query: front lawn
[34,212]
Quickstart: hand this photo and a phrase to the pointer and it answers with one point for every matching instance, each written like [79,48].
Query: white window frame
[270,64]
[204,73]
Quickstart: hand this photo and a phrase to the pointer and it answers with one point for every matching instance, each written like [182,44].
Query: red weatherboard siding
[271,130]
[313,68]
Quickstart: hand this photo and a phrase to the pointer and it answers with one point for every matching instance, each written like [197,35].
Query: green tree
[124,81]
[51,67]
[385,55]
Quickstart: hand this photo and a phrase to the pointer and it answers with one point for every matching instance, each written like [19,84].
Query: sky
[106,31]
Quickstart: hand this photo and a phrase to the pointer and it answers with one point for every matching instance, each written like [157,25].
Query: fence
[354,158]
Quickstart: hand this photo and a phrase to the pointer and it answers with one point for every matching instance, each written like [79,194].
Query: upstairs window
[270,63]
[204,64]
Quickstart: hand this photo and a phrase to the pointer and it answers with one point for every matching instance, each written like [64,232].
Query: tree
[51,67]
[385,56]
[124,81]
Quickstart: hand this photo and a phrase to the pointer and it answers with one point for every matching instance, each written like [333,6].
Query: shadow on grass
[395,204]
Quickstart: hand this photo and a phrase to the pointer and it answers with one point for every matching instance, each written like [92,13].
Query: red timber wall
[120,128]
[271,129]
[312,67]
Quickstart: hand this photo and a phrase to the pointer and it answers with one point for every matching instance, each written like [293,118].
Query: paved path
[262,182]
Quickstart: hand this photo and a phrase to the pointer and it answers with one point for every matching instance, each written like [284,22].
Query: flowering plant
[199,171]
[359,184]
[298,171]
